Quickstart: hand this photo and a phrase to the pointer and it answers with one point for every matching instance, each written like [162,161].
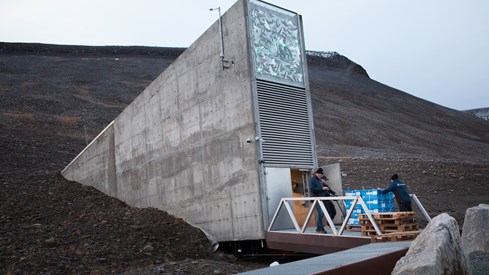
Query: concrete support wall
[181,145]
[95,165]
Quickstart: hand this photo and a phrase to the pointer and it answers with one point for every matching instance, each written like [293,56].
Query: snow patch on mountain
[328,54]
[480,113]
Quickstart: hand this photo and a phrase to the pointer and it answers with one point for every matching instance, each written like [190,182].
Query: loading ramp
[373,258]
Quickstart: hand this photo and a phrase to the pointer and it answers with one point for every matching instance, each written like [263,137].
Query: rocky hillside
[357,116]
[54,99]
[353,114]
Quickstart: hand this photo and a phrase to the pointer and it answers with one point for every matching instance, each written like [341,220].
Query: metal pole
[222,36]
[221,55]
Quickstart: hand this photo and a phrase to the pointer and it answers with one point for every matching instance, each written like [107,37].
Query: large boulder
[436,250]
[475,238]
[475,233]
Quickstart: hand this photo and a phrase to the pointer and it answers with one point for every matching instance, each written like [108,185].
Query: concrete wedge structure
[221,135]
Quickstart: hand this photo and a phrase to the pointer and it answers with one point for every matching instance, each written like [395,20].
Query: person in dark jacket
[329,192]
[316,189]
[401,193]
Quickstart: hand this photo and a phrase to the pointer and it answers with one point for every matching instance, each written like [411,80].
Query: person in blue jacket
[317,189]
[400,190]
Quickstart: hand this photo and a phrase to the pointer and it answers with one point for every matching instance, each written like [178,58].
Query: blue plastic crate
[387,209]
[374,200]
[354,220]
[352,193]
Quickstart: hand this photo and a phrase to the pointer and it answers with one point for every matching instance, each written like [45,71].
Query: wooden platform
[395,226]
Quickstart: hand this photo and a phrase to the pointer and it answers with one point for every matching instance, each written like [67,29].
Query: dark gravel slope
[53,98]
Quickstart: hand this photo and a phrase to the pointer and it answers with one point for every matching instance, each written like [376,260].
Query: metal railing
[420,206]
[285,202]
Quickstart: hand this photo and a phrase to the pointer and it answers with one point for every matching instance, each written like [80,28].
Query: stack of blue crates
[375,201]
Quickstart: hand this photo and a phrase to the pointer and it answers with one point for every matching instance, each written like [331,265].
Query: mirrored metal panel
[276,44]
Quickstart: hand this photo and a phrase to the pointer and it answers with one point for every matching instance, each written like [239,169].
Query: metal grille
[284,124]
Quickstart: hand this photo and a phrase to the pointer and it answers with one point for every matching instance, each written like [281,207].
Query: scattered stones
[50,242]
[148,248]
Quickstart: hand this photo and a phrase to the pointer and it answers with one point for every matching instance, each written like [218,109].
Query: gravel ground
[53,99]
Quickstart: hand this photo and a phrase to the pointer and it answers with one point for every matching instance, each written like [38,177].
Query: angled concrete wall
[95,165]
[181,145]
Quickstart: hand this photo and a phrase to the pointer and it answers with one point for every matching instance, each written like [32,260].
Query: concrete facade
[183,145]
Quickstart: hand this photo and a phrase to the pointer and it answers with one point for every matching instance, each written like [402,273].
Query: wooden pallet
[395,237]
[390,223]
[391,227]
[399,227]
[353,227]
[389,215]
[395,222]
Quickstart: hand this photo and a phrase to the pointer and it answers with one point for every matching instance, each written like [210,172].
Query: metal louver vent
[284,124]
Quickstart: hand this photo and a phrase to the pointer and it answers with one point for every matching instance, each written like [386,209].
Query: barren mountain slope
[354,115]
[51,95]
[357,116]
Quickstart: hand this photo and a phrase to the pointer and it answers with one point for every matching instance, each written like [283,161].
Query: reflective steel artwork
[276,44]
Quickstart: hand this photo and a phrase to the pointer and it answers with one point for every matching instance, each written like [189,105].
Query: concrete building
[221,135]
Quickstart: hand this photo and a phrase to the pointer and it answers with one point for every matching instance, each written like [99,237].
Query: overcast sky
[437,50]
